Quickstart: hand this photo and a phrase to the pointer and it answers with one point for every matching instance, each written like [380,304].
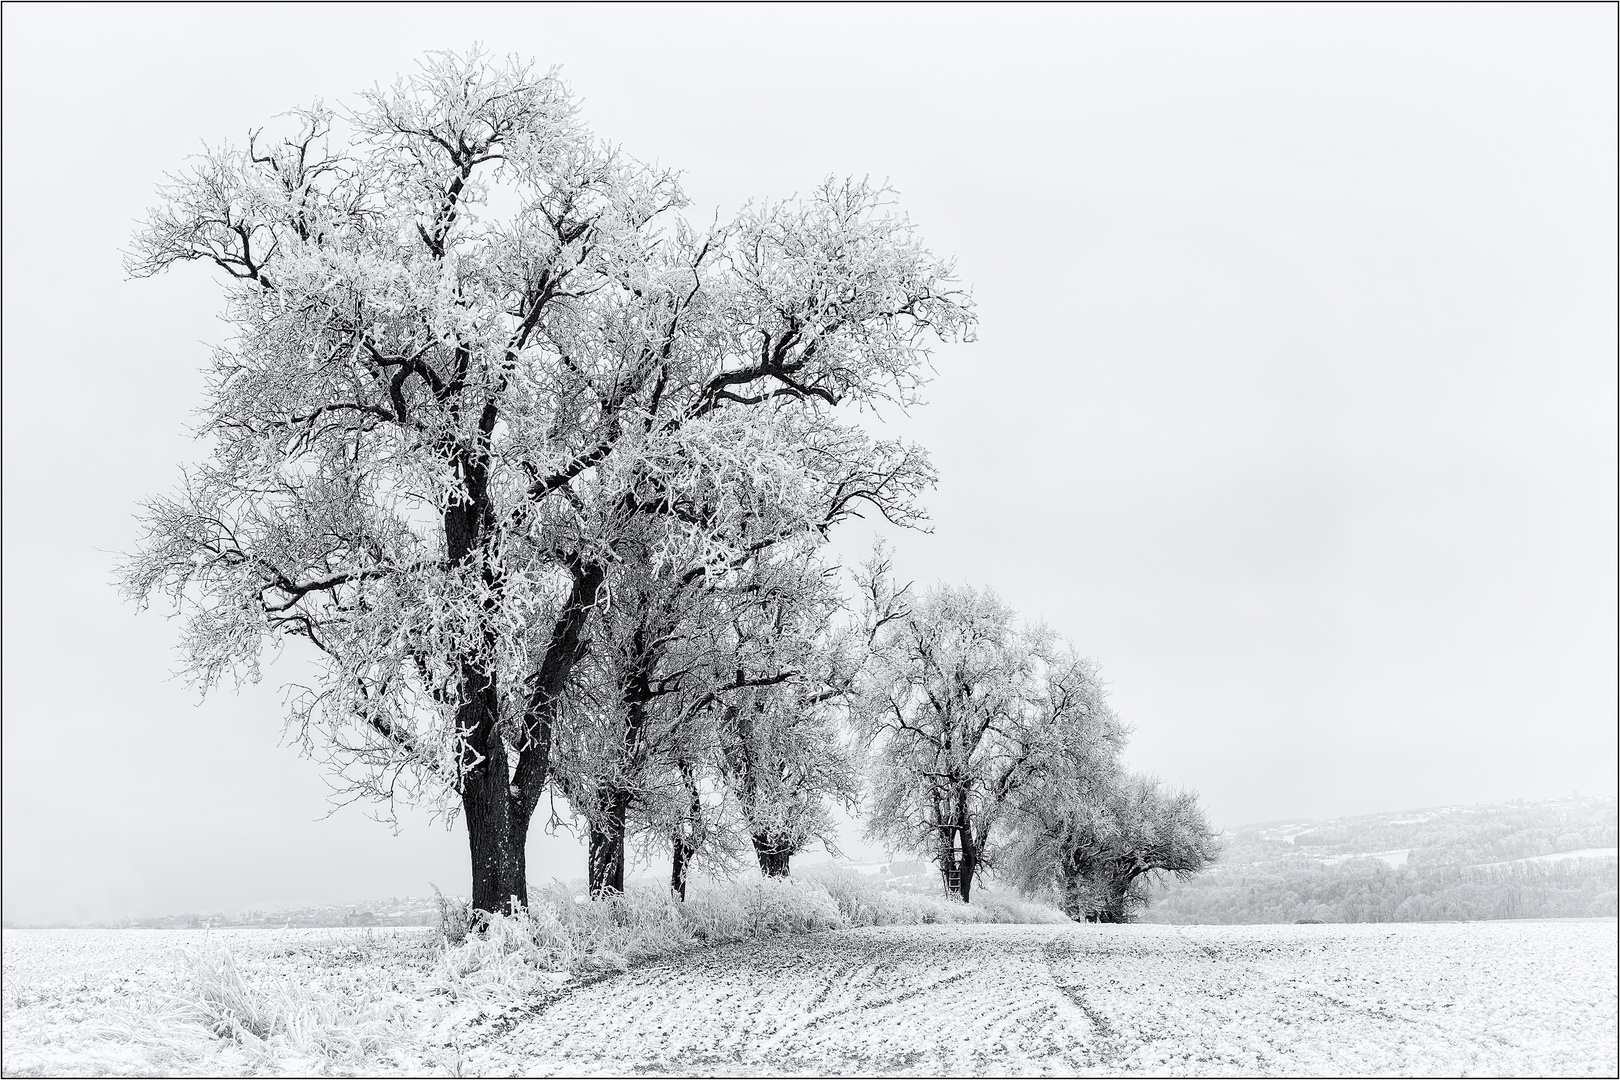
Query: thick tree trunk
[606,859]
[497,831]
[533,768]
[773,855]
[496,841]
[685,838]
[607,828]
[969,864]
[971,844]
[1096,890]
[497,822]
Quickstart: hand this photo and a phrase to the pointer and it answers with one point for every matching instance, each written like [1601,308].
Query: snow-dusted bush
[613,932]
[562,932]
[1006,908]
[646,921]
[788,906]
[509,958]
[860,901]
[864,901]
[455,917]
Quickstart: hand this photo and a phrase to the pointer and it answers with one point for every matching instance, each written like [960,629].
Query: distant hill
[1549,859]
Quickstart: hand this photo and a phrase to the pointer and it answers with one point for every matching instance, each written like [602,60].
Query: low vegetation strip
[562,932]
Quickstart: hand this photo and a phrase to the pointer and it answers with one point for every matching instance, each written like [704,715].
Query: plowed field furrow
[1089,1000]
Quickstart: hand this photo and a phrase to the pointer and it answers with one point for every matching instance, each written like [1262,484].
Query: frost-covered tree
[704,716]
[964,709]
[628,714]
[1097,847]
[784,755]
[474,348]
[707,669]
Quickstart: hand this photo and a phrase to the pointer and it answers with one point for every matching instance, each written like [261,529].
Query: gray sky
[1293,401]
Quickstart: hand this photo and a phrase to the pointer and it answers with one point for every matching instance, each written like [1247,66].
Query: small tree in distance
[1098,851]
[965,712]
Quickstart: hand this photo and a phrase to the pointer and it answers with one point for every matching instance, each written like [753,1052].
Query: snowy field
[1497,998]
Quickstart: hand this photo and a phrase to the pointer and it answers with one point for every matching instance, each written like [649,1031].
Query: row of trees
[994,748]
[543,474]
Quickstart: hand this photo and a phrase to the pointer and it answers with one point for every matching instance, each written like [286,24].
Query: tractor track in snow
[1090,1000]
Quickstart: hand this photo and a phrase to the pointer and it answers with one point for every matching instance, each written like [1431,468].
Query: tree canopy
[480,361]
[1099,851]
[966,712]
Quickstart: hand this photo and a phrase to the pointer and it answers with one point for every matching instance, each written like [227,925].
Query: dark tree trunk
[497,823]
[959,848]
[969,864]
[606,859]
[678,864]
[684,840]
[1097,889]
[773,855]
[1117,904]
[607,839]
[971,844]
[497,826]
[499,874]
[566,646]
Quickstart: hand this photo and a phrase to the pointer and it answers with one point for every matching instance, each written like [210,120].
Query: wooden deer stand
[953,868]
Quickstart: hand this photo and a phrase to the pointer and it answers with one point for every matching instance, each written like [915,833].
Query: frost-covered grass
[172,1002]
[863,902]
[167,1002]
[563,932]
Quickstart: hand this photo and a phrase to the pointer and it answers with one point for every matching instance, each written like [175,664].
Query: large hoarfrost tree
[965,710]
[473,348]
[1096,848]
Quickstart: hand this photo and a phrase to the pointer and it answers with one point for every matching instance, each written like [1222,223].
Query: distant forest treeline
[1416,866]
[1367,890]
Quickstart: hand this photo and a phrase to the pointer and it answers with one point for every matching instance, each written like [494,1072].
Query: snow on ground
[1396,858]
[1499,998]
[1562,856]
[1481,999]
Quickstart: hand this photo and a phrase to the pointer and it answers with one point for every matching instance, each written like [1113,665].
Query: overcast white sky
[1293,401]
